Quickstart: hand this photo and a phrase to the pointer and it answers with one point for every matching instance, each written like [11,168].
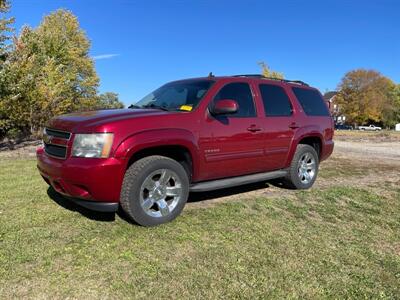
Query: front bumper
[97,206]
[92,180]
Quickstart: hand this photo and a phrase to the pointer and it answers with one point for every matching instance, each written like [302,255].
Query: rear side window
[241,93]
[276,102]
[311,101]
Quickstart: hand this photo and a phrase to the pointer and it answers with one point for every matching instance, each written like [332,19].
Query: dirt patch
[24,149]
[372,151]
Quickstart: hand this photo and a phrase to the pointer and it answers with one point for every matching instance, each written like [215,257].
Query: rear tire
[154,190]
[303,169]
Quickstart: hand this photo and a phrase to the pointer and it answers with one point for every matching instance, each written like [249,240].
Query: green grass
[336,242]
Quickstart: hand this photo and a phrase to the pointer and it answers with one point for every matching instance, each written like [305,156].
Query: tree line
[46,71]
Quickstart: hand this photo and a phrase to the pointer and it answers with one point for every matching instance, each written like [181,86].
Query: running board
[235,181]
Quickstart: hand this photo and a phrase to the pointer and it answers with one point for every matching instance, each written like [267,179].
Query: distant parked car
[343,127]
[370,128]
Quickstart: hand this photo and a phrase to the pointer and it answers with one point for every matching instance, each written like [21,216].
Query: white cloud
[104,56]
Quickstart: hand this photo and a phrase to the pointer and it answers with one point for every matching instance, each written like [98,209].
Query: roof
[329,95]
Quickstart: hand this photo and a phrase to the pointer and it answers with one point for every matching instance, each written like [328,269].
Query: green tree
[109,100]
[391,112]
[49,72]
[267,72]
[5,28]
[366,96]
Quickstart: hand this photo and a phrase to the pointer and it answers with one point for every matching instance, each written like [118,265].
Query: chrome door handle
[253,128]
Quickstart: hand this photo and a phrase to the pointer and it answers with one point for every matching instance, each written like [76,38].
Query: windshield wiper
[152,105]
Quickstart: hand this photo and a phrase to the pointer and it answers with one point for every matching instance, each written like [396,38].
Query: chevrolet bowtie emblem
[47,139]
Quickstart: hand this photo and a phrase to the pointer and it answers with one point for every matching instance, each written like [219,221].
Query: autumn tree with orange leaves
[366,96]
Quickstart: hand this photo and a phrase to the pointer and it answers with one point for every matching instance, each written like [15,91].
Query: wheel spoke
[173,190]
[149,184]
[307,176]
[163,207]
[148,203]
[300,171]
[311,165]
[165,177]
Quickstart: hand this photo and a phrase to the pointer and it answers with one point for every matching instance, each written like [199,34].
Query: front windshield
[183,96]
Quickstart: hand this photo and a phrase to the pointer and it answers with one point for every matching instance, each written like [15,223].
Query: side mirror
[225,106]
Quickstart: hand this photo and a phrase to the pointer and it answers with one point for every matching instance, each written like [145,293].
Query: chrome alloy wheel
[160,193]
[306,168]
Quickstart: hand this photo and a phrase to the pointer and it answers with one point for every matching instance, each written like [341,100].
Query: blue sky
[140,45]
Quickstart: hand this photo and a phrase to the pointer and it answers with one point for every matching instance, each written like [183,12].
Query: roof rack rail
[272,78]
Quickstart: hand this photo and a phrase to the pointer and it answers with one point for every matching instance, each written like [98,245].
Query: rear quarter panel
[311,126]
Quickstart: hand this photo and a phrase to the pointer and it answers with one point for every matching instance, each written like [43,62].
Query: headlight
[92,145]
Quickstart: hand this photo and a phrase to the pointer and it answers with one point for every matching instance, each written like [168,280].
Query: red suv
[188,136]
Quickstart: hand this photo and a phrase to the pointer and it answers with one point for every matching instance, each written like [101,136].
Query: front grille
[57,151]
[57,133]
[56,142]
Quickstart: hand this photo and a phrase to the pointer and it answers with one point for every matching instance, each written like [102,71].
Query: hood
[70,122]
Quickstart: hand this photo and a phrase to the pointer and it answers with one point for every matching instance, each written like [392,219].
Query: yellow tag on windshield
[186,107]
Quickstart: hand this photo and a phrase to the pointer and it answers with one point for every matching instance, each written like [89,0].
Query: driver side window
[241,93]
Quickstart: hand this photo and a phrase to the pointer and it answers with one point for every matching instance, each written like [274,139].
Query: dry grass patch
[368,136]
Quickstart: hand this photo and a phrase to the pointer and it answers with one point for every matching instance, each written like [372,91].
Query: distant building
[334,108]
[329,97]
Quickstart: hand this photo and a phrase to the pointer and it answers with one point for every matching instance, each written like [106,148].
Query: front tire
[303,169]
[154,190]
